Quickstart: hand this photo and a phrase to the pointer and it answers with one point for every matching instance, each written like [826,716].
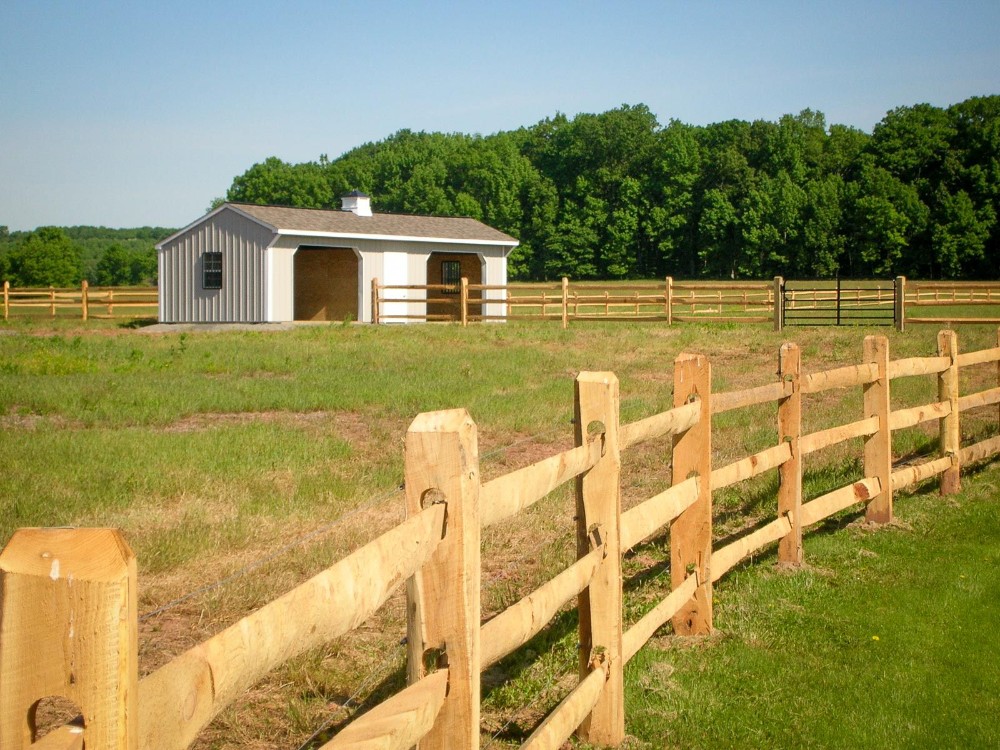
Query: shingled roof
[314,221]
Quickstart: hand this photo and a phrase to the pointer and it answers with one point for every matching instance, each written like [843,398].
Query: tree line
[65,256]
[617,195]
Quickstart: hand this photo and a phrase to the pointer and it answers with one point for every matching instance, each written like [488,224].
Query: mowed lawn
[239,463]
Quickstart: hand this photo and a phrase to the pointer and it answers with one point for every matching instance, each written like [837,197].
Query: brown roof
[285,219]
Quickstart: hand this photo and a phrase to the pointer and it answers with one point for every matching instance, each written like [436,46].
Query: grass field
[240,463]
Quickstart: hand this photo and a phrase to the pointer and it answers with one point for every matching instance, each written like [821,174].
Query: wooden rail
[436,551]
[710,301]
[84,302]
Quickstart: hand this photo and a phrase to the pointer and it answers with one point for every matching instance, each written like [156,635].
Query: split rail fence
[778,302]
[85,301]
[566,301]
[68,623]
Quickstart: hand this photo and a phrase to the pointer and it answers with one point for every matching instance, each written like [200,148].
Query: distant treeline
[64,256]
[617,195]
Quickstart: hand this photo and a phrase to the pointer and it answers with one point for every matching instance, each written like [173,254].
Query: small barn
[245,263]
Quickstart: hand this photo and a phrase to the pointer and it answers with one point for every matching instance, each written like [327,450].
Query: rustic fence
[84,302]
[566,301]
[68,624]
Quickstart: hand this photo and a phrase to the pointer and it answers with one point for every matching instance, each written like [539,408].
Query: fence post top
[84,554]
[448,420]
[700,359]
[597,377]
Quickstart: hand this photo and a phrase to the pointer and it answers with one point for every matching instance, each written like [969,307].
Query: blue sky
[131,114]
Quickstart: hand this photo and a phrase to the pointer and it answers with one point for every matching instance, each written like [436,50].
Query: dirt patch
[349,425]
[31,422]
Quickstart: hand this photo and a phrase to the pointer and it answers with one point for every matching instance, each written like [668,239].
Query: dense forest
[618,195]
[63,256]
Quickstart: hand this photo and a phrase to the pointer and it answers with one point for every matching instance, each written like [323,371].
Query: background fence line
[670,301]
[88,576]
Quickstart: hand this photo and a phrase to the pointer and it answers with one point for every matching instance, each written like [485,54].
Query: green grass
[214,450]
[886,639]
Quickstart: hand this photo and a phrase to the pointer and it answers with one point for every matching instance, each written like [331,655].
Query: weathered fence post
[84,289]
[899,303]
[779,303]
[69,630]
[670,300]
[463,301]
[950,426]
[6,300]
[52,300]
[375,311]
[565,303]
[790,472]
[443,607]
[598,517]
[878,447]
[691,531]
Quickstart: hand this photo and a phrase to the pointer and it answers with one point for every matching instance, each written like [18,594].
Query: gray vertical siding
[243,297]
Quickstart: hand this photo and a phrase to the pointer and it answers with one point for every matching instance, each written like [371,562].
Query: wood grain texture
[950,427]
[399,722]
[598,513]
[443,607]
[878,446]
[68,615]
[790,470]
[691,532]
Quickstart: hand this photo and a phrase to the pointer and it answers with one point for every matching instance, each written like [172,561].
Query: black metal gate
[838,303]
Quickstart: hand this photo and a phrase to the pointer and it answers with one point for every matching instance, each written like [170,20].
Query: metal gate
[838,303]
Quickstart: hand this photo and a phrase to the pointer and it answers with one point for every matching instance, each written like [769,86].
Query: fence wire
[364,686]
[316,534]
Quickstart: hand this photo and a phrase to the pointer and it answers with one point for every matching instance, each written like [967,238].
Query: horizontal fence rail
[84,301]
[88,575]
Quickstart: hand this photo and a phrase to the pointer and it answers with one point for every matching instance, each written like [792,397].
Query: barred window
[451,275]
[211,277]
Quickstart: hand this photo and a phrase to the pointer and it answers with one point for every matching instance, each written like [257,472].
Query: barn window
[212,271]
[451,275]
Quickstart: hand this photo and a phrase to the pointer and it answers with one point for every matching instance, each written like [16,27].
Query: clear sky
[140,113]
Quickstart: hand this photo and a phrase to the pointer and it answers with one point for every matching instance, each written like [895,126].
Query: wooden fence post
[899,307]
[565,303]
[878,447]
[598,519]
[670,300]
[790,472]
[463,301]
[691,532]
[52,300]
[84,289]
[779,303]
[443,608]
[375,311]
[111,302]
[69,629]
[950,426]
[6,300]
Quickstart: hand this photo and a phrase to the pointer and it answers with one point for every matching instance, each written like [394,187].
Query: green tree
[46,257]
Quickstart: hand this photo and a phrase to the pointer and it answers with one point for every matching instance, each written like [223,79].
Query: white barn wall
[242,298]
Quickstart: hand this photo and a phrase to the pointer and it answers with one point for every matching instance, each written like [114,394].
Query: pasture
[239,463]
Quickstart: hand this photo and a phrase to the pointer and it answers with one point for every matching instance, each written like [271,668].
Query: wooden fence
[84,302]
[565,301]
[947,303]
[68,624]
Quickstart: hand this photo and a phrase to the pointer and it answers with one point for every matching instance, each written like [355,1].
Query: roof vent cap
[357,203]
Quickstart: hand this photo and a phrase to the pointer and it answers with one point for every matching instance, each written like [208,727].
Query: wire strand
[312,535]
[345,706]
